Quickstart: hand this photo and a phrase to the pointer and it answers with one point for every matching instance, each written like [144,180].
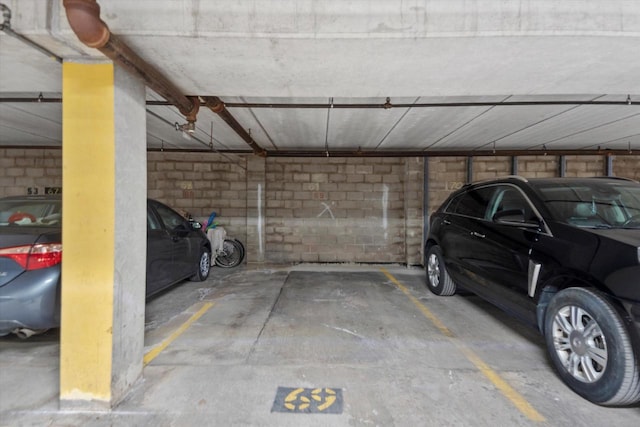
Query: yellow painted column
[88,229]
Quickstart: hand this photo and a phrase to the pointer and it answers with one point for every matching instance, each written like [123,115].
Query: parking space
[343,345]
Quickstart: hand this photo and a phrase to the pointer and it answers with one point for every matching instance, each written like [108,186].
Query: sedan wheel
[438,279]
[204,266]
[590,347]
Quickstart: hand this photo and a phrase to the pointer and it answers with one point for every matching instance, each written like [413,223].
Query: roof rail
[517,177]
[619,178]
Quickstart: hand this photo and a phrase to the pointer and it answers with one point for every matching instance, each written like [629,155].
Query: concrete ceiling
[467,76]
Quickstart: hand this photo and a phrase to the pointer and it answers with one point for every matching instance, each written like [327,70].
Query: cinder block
[24,162]
[351,178]
[164,166]
[6,162]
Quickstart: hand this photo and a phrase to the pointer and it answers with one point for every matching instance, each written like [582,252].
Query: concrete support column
[103,234]
[256,205]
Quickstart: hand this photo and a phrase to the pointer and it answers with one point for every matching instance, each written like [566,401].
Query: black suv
[562,254]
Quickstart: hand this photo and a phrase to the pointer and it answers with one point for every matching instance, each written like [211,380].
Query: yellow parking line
[516,398]
[154,352]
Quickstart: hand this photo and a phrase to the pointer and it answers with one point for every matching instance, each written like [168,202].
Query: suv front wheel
[438,279]
[590,347]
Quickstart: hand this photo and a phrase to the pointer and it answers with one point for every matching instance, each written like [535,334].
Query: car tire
[231,255]
[204,266]
[438,280]
[591,348]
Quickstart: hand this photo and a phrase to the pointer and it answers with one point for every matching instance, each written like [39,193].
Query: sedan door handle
[447,222]
[476,234]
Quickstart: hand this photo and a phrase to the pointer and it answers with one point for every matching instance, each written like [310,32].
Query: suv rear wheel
[590,347]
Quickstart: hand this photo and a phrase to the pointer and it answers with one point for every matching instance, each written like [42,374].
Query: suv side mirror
[514,217]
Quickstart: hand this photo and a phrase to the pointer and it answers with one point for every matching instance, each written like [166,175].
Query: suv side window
[507,198]
[472,203]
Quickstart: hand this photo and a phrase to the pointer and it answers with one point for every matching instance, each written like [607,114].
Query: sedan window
[170,218]
[152,222]
[30,212]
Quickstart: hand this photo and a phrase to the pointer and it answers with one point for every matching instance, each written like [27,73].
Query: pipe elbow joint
[215,104]
[191,114]
[84,19]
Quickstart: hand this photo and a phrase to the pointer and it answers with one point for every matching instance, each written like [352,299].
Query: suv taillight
[34,257]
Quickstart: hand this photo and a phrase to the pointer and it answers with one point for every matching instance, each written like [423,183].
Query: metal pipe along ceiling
[216,105]
[387,106]
[84,19]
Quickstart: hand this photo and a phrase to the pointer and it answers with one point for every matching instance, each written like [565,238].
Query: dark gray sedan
[31,253]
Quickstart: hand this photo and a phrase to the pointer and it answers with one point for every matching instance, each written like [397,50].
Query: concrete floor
[368,349]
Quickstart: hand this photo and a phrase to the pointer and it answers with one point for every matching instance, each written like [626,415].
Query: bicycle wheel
[241,246]
[231,254]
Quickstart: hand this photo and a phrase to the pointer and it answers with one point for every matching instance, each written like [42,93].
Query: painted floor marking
[154,352]
[308,400]
[507,391]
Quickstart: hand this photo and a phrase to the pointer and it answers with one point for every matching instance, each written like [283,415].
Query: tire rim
[433,270]
[204,264]
[580,344]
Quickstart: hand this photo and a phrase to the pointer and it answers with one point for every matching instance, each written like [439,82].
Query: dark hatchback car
[31,254]
[562,255]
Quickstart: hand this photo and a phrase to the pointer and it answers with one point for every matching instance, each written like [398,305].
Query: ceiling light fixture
[189,127]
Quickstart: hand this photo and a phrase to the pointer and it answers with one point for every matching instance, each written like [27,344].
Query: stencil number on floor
[308,400]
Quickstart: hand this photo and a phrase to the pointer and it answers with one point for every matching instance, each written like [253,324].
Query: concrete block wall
[491,167]
[627,166]
[339,209]
[446,174]
[23,169]
[201,183]
[540,166]
[290,210]
[585,166]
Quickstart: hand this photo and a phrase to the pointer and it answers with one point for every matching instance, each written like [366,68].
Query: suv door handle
[476,234]
[447,222]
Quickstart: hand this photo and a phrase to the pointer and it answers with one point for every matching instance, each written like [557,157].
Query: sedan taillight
[34,257]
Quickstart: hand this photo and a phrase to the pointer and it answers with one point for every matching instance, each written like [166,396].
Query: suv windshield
[24,212]
[593,203]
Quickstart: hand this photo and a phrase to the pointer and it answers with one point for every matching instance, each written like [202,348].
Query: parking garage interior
[322,135]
